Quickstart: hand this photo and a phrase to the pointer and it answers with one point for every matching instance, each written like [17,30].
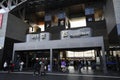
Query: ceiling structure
[40,7]
[47,5]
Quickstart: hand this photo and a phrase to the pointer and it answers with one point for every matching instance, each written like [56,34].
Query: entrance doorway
[77,60]
[113,60]
[29,57]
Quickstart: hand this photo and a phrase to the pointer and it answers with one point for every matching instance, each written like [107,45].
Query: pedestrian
[21,65]
[5,65]
[12,65]
[42,68]
[63,66]
[36,67]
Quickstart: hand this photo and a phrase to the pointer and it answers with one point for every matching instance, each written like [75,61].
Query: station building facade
[88,31]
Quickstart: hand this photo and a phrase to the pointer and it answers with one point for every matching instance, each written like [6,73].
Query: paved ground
[55,76]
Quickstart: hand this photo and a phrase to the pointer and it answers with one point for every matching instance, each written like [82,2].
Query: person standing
[42,68]
[12,65]
[63,65]
[36,67]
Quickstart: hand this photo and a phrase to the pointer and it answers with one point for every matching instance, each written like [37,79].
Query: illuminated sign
[1,17]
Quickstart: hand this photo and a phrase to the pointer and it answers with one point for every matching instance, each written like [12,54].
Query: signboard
[33,37]
[1,17]
[78,33]
[38,37]
[44,36]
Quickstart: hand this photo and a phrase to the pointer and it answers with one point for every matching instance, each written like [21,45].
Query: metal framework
[8,5]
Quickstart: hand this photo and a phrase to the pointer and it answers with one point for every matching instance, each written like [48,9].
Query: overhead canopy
[61,44]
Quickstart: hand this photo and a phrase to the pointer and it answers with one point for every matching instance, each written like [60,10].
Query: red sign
[1,17]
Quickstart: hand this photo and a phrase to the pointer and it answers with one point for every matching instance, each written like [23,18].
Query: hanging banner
[1,17]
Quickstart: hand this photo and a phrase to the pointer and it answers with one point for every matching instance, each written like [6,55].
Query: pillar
[51,56]
[103,60]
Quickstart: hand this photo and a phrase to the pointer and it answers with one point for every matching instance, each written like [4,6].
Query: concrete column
[104,60]
[13,56]
[51,56]
[27,60]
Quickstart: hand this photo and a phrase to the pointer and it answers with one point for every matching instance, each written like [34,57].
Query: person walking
[5,65]
[21,65]
[42,68]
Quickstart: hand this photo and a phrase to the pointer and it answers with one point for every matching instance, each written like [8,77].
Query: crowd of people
[38,67]
[62,65]
[10,66]
[41,65]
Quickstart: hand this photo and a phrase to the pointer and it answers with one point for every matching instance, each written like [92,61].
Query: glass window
[54,20]
[42,27]
[70,54]
[89,11]
[48,18]
[98,15]
[77,22]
